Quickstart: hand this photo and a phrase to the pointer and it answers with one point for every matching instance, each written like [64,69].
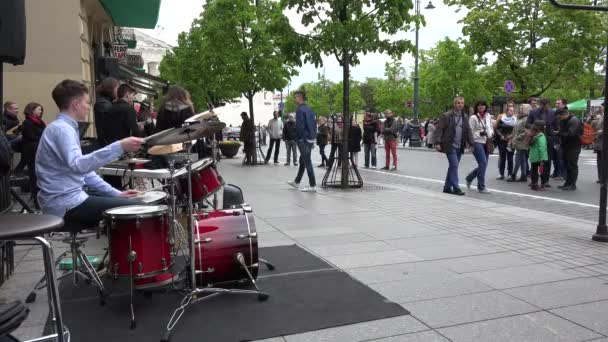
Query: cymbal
[131,161]
[186,133]
[161,150]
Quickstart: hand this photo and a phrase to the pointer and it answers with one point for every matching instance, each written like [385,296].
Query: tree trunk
[346,115]
[254,156]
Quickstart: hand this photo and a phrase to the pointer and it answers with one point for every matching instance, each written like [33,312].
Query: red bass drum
[220,236]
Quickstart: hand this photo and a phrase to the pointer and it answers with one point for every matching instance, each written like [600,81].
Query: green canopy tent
[578,105]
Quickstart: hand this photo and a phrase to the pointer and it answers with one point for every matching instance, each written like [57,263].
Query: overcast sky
[441,22]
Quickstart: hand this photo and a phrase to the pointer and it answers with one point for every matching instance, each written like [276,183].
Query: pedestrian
[406,132]
[547,116]
[306,132]
[175,108]
[370,139]
[560,171]
[275,132]
[246,136]
[597,123]
[323,139]
[354,139]
[33,127]
[336,139]
[390,132]
[430,130]
[504,129]
[289,135]
[539,158]
[570,133]
[480,124]
[451,136]
[519,143]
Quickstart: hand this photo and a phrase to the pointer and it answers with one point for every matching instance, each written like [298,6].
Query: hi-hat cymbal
[161,150]
[186,133]
[131,161]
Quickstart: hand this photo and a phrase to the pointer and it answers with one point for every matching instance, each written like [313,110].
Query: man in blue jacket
[306,135]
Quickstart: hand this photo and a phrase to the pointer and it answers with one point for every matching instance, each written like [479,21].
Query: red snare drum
[205,182]
[222,235]
[141,233]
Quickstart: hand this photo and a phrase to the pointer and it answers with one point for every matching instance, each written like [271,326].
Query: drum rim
[161,209]
[160,199]
[204,163]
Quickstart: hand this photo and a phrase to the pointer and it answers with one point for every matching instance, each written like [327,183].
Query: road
[427,170]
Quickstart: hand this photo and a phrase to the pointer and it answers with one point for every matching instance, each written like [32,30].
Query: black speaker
[12,31]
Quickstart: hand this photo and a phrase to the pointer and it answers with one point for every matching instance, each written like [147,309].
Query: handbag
[489,144]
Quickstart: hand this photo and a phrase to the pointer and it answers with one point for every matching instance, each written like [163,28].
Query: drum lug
[247,236]
[247,208]
[140,267]
[132,256]
[163,263]
[208,270]
[137,222]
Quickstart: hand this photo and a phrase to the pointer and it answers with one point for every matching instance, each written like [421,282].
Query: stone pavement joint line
[468,269]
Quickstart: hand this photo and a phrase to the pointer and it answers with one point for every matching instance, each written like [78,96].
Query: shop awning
[133,13]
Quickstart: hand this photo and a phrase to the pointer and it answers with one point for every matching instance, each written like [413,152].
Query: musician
[122,120]
[175,108]
[107,92]
[63,172]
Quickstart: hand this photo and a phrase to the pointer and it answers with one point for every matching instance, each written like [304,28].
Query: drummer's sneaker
[156,281]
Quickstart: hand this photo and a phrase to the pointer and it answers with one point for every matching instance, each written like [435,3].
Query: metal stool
[79,258]
[31,228]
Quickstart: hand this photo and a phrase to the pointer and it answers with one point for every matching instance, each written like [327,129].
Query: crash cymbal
[186,133]
[162,150]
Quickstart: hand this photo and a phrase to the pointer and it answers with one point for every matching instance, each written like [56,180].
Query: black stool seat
[19,226]
[11,317]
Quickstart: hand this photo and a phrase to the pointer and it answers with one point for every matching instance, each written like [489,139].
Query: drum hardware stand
[131,258]
[193,293]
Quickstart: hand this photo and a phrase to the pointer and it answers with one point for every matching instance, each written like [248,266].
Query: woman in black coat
[33,127]
[354,141]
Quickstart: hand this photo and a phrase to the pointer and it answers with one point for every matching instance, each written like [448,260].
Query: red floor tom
[141,234]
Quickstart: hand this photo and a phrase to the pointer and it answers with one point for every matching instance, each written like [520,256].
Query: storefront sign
[124,35]
[119,51]
[135,59]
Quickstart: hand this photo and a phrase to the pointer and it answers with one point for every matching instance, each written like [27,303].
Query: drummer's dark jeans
[90,212]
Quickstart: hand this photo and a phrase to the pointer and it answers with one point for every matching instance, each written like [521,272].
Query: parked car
[232,133]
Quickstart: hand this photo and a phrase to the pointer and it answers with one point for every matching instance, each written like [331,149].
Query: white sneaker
[484,191]
[294,184]
[393,168]
[373,167]
[309,189]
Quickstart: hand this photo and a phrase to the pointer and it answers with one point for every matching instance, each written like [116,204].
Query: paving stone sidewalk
[467,269]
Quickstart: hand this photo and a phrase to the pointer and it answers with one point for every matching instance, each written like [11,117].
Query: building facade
[64,40]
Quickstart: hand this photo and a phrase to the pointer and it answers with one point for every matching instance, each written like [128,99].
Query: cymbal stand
[194,294]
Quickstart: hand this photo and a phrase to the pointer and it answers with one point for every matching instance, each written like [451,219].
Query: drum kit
[167,240]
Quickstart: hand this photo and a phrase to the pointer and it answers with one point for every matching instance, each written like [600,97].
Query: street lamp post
[415,140]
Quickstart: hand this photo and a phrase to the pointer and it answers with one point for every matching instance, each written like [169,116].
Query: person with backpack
[570,131]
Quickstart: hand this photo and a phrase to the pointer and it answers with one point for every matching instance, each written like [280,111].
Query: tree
[535,44]
[447,71]
[393,92]
[345,29]
[369,91]
[240,46]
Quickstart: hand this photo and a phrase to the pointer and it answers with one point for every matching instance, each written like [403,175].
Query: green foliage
[447,71]
[536,45]
[235,47]
[393,92]
[368,90]
[324,97]
[345,29]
